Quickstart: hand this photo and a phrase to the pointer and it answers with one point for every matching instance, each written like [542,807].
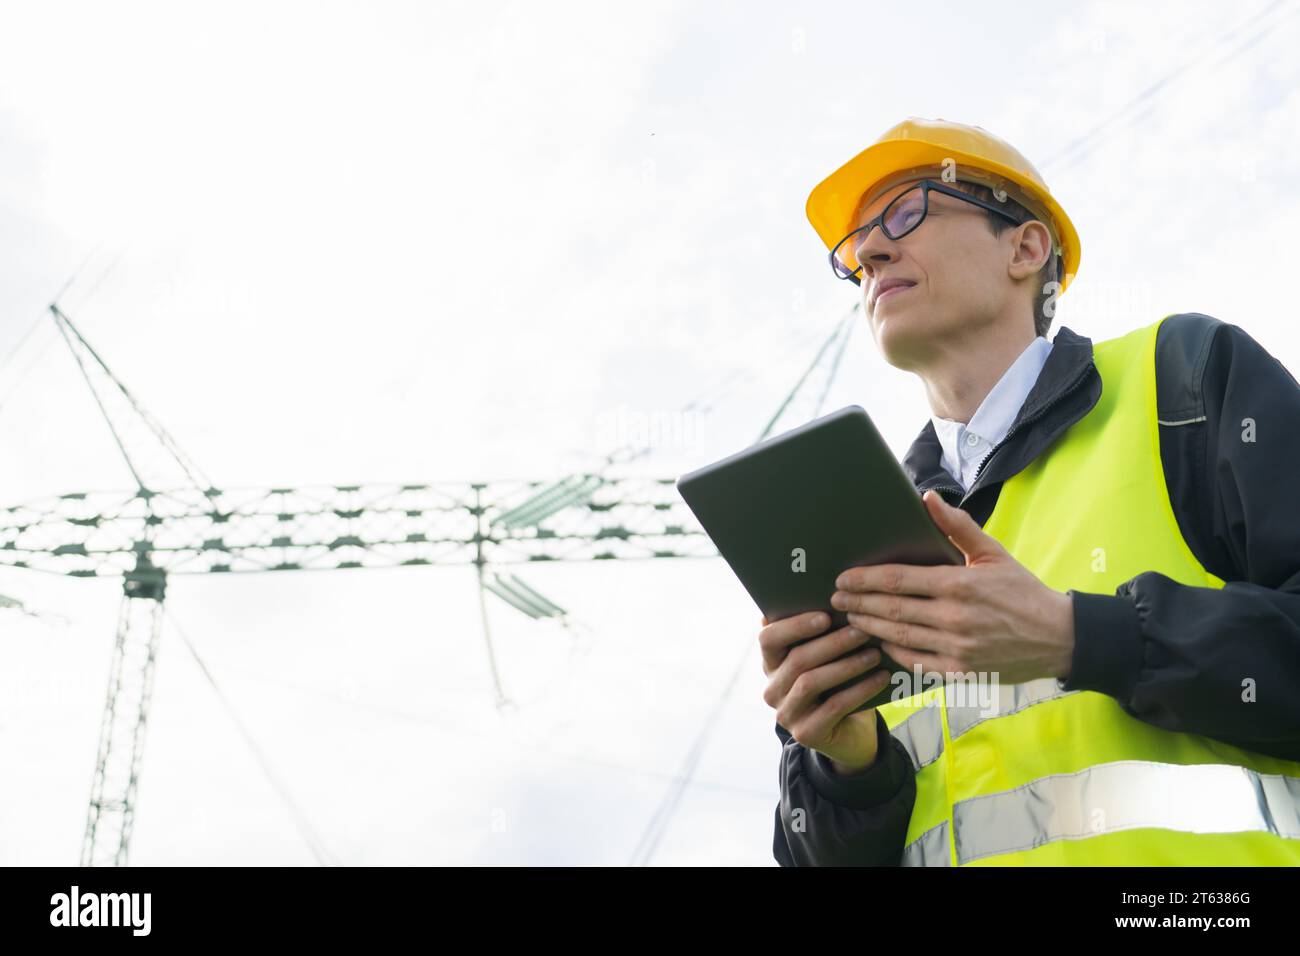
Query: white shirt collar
[966,445]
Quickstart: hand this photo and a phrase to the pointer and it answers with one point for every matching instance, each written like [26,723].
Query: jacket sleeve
[829,819]
[1223,663]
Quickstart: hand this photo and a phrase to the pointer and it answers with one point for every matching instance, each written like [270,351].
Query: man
[1132,577]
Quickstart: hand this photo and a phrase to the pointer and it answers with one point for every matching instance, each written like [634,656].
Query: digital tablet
[791,513]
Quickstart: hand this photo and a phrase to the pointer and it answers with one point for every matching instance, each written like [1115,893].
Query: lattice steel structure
[147,536]
[189,526]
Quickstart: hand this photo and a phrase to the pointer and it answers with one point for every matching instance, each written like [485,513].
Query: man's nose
[875,251]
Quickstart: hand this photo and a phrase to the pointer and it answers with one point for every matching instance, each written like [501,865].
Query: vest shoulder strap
[1182,349]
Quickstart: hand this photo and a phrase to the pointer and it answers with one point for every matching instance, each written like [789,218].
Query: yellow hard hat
[972,154]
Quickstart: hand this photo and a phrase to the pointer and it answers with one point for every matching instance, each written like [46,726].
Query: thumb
[961,529]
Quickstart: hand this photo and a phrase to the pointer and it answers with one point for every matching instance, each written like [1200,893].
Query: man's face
[956,271]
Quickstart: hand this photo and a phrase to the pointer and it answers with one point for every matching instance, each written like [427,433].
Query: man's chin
[899,340]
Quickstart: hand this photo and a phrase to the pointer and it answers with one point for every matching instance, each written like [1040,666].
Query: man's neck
[962,374]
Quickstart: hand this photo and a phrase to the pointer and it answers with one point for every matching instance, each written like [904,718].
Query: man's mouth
[892,291]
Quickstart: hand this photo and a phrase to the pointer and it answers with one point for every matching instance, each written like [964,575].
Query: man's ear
[1031,245]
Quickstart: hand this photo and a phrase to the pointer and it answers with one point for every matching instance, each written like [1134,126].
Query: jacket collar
[1066,389]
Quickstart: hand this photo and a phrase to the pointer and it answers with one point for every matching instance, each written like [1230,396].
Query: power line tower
[176,521]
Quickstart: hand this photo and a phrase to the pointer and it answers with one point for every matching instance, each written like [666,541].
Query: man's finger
[892,607]
[918,637]
[844,702]
[929,663]
[916,579]
[808,657]
[807,687]
[779,635]
[775,639]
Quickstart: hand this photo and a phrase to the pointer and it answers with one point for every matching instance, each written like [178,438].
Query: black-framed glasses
[904,213]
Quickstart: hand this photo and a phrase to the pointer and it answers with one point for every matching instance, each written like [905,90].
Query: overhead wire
[657,826]
[40,316]
[707,400]
[45,311]
[541,742]
[1077,149]
[816,362]
[314,843]
[831,375]
[90,293]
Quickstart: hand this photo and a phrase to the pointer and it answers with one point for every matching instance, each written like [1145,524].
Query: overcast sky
[384,242]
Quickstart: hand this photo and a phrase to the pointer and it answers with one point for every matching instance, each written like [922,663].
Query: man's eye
[904,218]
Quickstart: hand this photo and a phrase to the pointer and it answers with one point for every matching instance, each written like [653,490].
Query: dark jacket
[1172,655]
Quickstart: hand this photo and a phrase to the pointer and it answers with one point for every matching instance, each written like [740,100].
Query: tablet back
[789,514]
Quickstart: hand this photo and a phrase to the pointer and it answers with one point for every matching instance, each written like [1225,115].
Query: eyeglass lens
[903,214]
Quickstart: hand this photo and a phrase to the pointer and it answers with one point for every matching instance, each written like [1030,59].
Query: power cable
[539,743]
[1076,150]
[658,825]
[705,402]
[845,335]
[305,829]
[41,315]
[817,360]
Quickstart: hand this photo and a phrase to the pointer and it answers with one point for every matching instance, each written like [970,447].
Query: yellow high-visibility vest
[1048,777]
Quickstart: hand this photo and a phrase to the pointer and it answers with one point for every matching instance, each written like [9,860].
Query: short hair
[1050,272]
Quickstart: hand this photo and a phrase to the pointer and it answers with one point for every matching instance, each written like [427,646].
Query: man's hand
[992,616]
[800,674]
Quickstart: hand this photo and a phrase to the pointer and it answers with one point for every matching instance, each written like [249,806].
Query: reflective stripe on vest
[1127,795]
[921,736]
[921,733]
[1050,777]
[1010,699]
[929,849]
